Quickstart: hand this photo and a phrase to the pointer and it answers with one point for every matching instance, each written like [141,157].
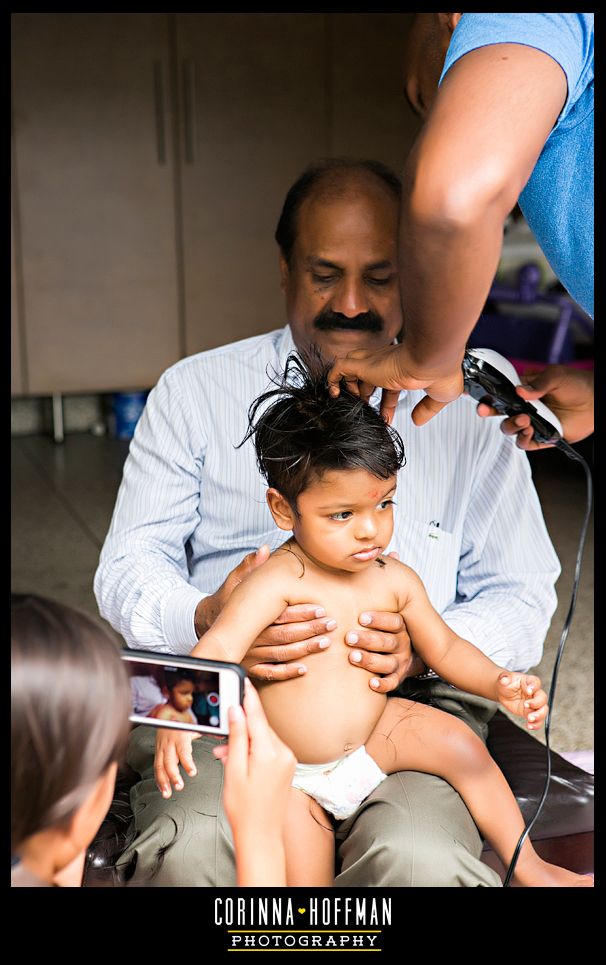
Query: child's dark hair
[70,701]
[174,677]
[305,432]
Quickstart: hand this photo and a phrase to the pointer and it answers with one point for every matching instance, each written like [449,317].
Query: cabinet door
[17,375]
[255,114]
[95,177]
[370,115]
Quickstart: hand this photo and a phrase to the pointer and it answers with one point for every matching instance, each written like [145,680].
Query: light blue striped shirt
[191,505]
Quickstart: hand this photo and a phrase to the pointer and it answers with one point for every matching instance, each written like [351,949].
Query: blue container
[127,407]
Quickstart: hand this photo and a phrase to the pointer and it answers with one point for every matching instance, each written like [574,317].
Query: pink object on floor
[582,759]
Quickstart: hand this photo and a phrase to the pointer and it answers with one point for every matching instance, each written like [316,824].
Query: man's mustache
[328,321]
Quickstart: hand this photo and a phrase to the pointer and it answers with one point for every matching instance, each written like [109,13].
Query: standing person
[191,505]
[70,701]
[508,99]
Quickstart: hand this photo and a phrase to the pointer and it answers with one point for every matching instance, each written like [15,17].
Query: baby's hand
[522,695]
[172,747]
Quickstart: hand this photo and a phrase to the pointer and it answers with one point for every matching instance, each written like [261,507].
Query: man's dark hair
[329,172]
[305,432]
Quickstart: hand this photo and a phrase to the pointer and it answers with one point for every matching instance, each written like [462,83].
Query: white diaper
[340,786]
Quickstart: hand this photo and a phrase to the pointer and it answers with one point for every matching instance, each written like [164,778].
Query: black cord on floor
[572,454]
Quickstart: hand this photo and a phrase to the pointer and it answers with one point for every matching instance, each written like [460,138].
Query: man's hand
[383,647]
[392,369]
[298,631]
[210,607]
[568,392]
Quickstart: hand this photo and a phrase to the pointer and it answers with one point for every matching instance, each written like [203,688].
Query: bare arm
[258,773]
[460,663]
[486,129]
[451,657]
[489,123]
[253,605]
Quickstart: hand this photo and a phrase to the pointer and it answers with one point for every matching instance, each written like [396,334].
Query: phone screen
[175,695]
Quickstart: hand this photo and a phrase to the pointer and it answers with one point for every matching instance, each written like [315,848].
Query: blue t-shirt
[557,201]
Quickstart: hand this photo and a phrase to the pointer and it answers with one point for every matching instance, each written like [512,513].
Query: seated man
[191,504]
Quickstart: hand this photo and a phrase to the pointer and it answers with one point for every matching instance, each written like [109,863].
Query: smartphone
[183,693]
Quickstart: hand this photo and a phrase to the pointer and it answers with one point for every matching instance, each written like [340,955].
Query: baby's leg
[309,842]
[415,737]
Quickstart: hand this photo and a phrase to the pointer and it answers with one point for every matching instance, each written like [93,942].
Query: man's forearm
[207,611]
[447,265]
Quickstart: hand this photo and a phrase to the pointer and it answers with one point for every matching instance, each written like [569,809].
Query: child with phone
[331,465]
[70,701]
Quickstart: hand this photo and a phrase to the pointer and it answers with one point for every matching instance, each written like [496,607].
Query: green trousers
[413,831]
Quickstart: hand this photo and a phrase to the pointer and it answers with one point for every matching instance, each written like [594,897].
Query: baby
[179,690]
[331,465]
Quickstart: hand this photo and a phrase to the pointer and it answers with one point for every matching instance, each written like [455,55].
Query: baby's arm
[461,663]
[163,712]
[253,606]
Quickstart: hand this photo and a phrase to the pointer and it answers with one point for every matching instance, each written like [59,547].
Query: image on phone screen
[177,694]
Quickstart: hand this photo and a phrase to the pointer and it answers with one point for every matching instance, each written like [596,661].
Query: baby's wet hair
[174,677]
[300,431]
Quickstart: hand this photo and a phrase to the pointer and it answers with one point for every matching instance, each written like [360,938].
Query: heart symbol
[301,910]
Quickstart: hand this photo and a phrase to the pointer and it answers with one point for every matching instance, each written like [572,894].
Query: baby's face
[182,695]
[346,519]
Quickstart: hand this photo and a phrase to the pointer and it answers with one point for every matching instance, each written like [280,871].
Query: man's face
[341,287]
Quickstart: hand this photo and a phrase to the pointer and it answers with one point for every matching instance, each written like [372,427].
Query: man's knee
[414,831]
[178,847]
[182,841]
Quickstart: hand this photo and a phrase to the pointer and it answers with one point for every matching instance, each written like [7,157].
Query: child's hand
[522,695]
[258,771]
[172,747]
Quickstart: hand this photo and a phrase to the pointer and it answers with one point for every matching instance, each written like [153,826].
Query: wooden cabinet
[370,116]
[254,102]
[17,381]
[153,152]
[95,173]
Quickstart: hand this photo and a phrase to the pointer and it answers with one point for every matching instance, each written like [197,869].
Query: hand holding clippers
[490,378]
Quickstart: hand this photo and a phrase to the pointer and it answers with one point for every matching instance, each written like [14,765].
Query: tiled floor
[63,496]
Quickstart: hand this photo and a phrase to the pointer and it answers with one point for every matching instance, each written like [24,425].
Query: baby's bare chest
[344,600]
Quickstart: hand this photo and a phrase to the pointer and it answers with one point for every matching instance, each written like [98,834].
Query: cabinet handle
[159,110]
[189,109]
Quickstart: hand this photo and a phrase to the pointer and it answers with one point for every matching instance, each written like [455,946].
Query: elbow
[458,202]
[99,595]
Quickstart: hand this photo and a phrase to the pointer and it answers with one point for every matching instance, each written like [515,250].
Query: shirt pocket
[433,553]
